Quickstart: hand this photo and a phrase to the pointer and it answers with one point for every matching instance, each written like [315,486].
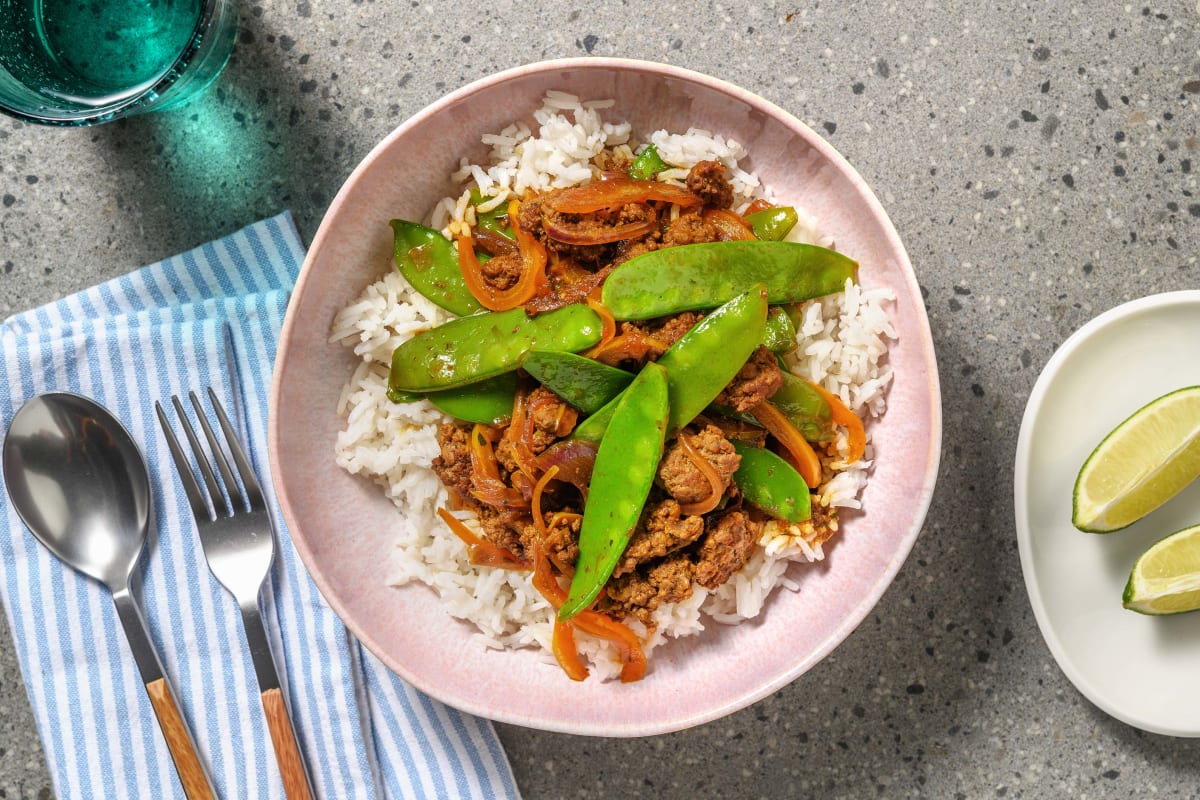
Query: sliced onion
[602,195]
[597,234]
[716,485]
[572,459]
[730,226]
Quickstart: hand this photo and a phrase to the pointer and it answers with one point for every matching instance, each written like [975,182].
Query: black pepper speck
[9,200]
[1101,101]
[858,88]
[1041,53]
[1029,116]
[976,390]
[830,126]
[590,41]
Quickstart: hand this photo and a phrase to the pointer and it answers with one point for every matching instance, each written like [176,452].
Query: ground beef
[639,593]
[561,542]
[755,382]
[529,215]
[707,179]
[552,417]
[453,466]
[662,530]
[668,330]
[504,527]
[635,247]
[690,228]
[682,479]
[639,345]
[725,549]
[502,272]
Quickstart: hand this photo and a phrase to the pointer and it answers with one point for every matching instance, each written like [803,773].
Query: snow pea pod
[700,363]
[700,276]
[771,484]
[583,382]
[495,220]
[773,224]
[626,463]
[488,402]
[705,359]
[779,336]
[647,164]
[805,408]
[469,349]
[428,262]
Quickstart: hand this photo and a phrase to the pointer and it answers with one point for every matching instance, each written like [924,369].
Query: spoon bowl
[79,482]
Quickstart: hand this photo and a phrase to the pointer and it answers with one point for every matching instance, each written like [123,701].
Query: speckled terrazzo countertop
[1037,160]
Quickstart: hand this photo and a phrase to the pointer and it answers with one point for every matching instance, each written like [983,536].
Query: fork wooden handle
[179,741]
[287,750]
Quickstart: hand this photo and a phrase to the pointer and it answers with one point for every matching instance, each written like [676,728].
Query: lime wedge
[1166,578]
[1143,463]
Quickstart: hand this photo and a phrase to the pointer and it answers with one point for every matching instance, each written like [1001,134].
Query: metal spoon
[79,482]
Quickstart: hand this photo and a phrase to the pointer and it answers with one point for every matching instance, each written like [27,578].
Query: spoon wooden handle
[287,750]
[179,741]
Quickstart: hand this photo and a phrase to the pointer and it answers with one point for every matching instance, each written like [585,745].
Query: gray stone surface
[1037,159]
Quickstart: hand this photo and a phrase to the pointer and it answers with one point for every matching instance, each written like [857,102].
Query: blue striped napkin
[209,317]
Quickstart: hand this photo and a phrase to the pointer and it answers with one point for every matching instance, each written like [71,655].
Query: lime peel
[1141,464]
[1166,578]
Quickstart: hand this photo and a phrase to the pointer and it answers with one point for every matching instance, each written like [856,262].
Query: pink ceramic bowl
[340,523]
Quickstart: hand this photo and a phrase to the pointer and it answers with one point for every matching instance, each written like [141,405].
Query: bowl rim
[932,389]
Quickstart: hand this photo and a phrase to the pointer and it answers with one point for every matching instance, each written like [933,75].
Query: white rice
[842,345]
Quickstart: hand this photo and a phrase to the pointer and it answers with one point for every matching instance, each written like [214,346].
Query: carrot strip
[538,488]
[608,325]
[633,658]
[533,272]
[480,551]
[629,649]
[804,458]
[856,434]
[757,205]
[566,652]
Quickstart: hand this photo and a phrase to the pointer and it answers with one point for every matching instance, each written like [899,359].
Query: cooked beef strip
[707,179]
[661,530]
[682,479]
[726,548]
[755,382]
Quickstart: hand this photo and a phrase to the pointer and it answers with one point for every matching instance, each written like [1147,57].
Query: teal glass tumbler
[84,62]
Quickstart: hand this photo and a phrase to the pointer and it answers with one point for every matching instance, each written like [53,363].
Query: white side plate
[1144,671]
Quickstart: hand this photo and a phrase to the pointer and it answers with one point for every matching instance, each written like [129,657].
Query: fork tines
[238,500]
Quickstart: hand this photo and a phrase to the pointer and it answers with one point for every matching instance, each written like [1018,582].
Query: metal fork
[239,544]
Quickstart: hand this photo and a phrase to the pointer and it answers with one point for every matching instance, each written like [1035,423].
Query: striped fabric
[208,317]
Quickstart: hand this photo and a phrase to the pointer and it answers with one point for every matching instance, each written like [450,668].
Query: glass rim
[170,76]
